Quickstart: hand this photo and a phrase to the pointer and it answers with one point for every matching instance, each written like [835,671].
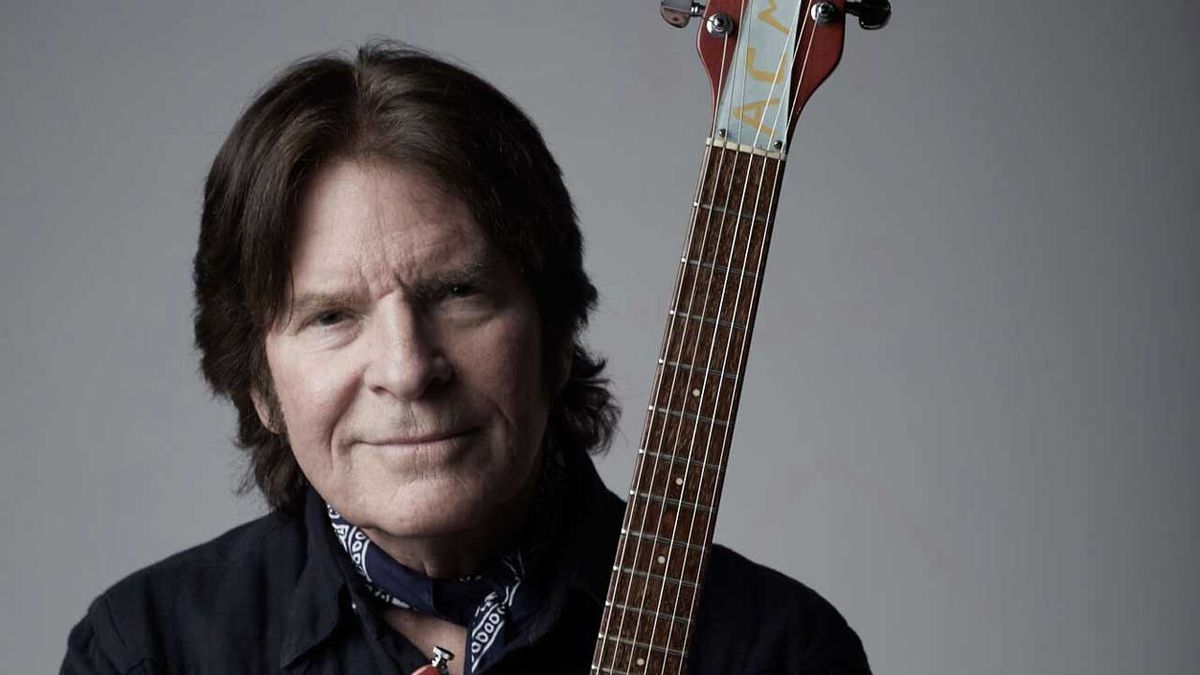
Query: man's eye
[327,319]
[462,290]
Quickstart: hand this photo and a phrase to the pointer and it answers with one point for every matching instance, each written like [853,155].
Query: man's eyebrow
[321,300]
[434,285]
[476,271]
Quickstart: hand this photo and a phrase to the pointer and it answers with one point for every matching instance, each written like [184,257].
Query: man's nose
[407,359]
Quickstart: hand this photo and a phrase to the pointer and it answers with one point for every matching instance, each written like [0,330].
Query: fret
[710,293]
[689,393]
[700,369]
[678,459]
[653,593]
[658,616]
[705,344]
[688,480]
[716,322]
[640,598]
[630,624]
[680,560]
[687,416]
[652,515]
[654,577]
[674,543]
[641,645]
[742,213]
[729,244]
[672,502]
[684,438]
[648,658]
[718,269]
[613,671]
[647,662]
[745,184]
[609,670]
[660,558]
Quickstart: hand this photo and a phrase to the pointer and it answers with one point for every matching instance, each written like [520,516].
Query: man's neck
[443,557]
[450,555]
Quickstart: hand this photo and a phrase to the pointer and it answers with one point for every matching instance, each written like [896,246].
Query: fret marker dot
[679,481]
[695,392]
[662,559]
[641,662]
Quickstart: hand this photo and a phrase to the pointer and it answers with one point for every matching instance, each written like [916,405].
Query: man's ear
[263,409]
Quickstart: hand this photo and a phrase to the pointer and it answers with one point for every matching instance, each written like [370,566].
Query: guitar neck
[667,532]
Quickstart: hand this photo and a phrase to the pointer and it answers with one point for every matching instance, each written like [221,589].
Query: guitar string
[719,461]
[708,461]
[674,537]
[797,25]
[736,152]
[677,448]
[763,244]
[656,399]
[664,350]
[741,211]
[684,340]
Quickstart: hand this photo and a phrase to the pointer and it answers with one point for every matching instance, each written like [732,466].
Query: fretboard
[672,504]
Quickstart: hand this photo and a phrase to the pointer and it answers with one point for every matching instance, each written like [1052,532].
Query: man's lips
[424,439]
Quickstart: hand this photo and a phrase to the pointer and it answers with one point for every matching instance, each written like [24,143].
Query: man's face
[408,361]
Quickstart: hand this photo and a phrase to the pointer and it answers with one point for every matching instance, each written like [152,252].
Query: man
[390,290]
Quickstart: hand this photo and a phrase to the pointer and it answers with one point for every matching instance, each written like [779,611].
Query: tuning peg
[679,12]
[872,14]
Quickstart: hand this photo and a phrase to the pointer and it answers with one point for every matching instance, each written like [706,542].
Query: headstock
[765,58]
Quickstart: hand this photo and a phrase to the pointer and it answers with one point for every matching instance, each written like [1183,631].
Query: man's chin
[426,509]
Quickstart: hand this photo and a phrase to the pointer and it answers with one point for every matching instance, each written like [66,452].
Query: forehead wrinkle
[388,228]
[424,235]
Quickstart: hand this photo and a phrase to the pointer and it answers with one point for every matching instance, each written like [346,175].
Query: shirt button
[354,606]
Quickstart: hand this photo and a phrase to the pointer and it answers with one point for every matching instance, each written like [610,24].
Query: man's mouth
[422,439]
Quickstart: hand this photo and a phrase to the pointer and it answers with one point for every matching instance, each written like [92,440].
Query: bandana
[495,605]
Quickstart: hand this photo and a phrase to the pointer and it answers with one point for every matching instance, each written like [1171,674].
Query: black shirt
[272,596]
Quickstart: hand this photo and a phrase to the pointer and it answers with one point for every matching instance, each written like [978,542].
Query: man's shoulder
[758,615]
[150,612]
[733,576]
[234,560]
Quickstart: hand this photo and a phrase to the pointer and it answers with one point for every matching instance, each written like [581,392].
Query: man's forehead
[381,226]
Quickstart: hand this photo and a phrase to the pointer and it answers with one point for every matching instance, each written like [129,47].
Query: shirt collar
[316,602]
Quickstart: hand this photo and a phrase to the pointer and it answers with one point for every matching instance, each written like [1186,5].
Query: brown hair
[398,104]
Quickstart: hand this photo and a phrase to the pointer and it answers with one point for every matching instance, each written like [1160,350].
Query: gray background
[970,418]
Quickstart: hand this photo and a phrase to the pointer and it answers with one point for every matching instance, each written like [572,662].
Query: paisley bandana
[484,603]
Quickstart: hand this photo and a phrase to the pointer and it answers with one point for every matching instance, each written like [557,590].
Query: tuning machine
[679,12]
[872,14]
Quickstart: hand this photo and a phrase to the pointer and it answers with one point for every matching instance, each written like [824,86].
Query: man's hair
[396,104]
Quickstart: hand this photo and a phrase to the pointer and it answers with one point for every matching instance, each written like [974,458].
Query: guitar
[764,58]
